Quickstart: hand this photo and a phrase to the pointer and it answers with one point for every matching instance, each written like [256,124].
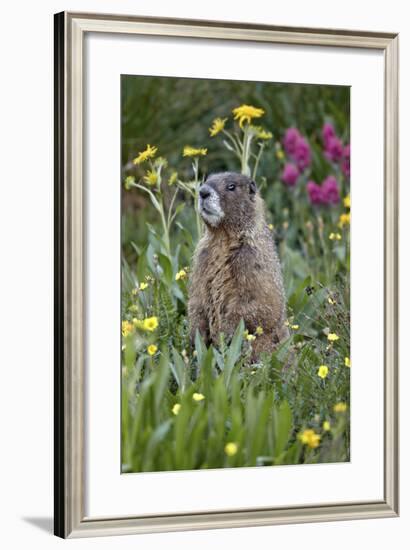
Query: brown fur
[236,270]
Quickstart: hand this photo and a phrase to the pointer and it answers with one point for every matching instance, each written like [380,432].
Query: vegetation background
[186,408]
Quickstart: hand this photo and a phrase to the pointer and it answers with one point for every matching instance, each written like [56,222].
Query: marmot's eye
[231,187]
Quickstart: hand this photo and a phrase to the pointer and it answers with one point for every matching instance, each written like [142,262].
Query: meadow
[190,406]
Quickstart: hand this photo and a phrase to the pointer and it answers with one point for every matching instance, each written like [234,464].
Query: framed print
[226,249]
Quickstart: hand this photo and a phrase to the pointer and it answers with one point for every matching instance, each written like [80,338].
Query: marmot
[236,270]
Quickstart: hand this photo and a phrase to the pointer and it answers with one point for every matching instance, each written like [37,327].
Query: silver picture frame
[69,339]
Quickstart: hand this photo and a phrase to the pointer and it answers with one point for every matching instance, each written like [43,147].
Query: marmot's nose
[204,191]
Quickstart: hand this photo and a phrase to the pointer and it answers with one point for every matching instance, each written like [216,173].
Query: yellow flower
[264,134]
[149,153]
[180,275]
[326,426]
[150,323]
[346,201]
[152,349]
[294,327]
[259,331]
[340,407]
[231,449]
[143,286]
[192,152]
[250,337]
[261,133]
[347,362]
[335,236]
[344,219]
[280,154]
[129,181]
[198,396]
[270,226]
[310,438]
[138,323]
[332,337]
[176,408]
[218,124]
[126,328]
[173,178]
[245,113]
[331,301]
[323,371]
[151,177]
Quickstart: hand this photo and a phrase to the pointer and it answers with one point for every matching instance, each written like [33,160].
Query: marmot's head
[227,199]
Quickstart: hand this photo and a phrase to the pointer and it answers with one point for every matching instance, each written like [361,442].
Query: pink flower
[325,194]
[315,192]
[334,149]
[290,174]
[302,154]
[345,164]
[328,132]
[290,139]
[330,191]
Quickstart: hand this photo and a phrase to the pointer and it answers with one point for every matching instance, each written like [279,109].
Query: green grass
[190,407]
[260,407]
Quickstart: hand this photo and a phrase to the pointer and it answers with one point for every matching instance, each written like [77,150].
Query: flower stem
[255,168]
[245,152]
[196,198]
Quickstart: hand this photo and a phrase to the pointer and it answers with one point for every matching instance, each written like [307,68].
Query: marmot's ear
[252,187]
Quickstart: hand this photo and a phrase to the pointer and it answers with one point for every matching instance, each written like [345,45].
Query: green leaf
[282,421]
[234,351]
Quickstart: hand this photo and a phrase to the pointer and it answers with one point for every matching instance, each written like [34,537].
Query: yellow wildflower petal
[271,226]
[259,331]
[143,286]
[245,113]
[335,236]
[340,407]
[346,201]
[332,337]
[344,219]
[310,438]
[264,134]
[218,124]
[152,349]
[126,328]
[294,327]
[181,275]
[280,155]
[151,177]
[176,408]
[326,426]
[149,153]
[231,449]
[323,371]
[192,152]
[150,323]
[347,362]
[198,396]
[250,337]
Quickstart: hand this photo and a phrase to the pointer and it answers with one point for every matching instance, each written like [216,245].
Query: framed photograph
[226,280]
